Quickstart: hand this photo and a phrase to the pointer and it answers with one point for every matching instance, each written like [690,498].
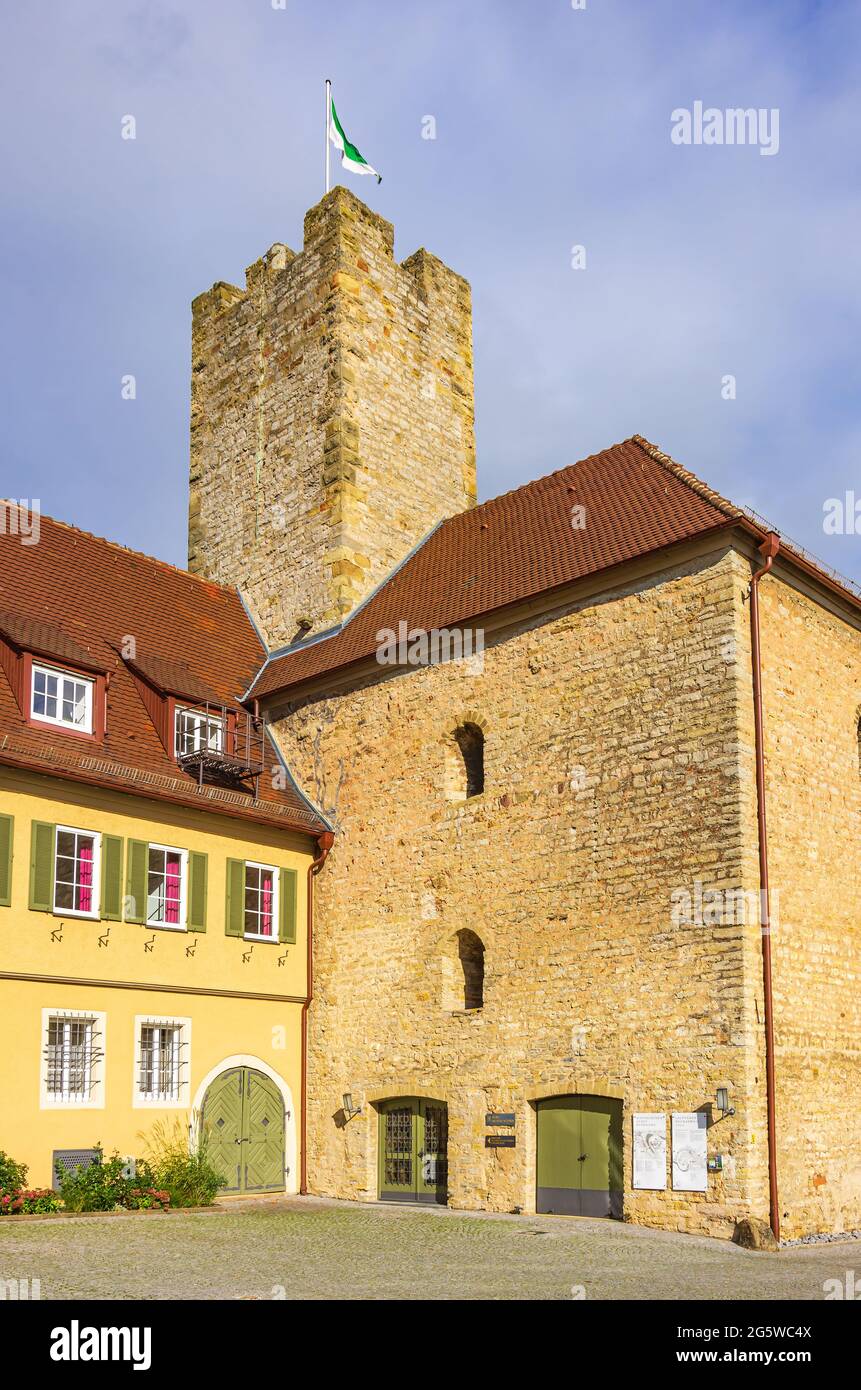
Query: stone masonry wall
[332,418]
[616,774]
[812,700]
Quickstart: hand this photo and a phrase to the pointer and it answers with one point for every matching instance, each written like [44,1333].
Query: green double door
[243,1116]
[579,1158]
[413,1150]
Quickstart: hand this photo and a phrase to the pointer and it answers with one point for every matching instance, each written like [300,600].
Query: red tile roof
[636,500]
[94,595]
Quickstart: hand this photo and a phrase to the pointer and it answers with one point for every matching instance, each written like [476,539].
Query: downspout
[768,550]
[324,844]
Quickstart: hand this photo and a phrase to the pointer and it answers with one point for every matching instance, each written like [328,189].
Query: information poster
[690,1160]
[650,1152]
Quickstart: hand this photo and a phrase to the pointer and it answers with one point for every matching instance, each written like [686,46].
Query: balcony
[219,744]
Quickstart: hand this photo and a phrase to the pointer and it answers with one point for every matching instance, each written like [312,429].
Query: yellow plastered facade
[240,1001]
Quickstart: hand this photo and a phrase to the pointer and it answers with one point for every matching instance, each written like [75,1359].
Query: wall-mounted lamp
[722,1101]
[350,1110]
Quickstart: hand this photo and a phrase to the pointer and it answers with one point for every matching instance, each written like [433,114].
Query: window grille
[71,1052]
[162,1060]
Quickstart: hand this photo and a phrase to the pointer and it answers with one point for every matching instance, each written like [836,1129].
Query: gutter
[768,550]
[324,844]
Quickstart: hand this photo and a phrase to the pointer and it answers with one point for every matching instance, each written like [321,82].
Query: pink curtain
[266,919]
[85,877]
[171,890]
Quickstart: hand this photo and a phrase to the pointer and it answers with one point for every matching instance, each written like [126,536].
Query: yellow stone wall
[616,773]
[332,417]
[812,700]
[124,970]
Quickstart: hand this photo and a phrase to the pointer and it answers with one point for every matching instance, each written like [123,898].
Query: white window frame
[201,719]
[182,924]
[140,1099]
[276,901]
[96,838]
[62,674]
[56,1100]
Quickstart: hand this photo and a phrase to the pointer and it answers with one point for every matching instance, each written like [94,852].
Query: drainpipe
[324,844]
[768,550]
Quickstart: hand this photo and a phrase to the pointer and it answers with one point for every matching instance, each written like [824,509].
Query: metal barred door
[432,1152]
[413,1151]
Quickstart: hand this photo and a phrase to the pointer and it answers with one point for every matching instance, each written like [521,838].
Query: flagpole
[328,117]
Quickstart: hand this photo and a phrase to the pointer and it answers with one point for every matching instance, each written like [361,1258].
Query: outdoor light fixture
[722,1101]
[349,1108]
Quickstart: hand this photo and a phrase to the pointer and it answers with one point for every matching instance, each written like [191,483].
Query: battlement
[332,417]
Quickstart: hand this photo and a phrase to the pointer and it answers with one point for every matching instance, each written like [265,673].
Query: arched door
[243,1118]
[413,1149]
[579,1157]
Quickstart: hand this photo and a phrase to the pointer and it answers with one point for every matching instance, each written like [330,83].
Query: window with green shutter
[234,915]
[112,878]
[197,875]
[287,923]
[137,861]
[42,866]
[7,825]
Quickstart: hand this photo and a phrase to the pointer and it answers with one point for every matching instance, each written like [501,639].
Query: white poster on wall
[650,1152]
[690,1158]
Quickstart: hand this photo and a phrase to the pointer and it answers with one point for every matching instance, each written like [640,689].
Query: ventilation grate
[67,1160]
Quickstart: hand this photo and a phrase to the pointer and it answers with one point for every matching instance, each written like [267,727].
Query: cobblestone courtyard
[313,1249]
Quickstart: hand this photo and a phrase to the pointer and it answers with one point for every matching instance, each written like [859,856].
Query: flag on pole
[350,157]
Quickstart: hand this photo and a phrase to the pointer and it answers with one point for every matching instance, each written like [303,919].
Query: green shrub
[28,1201]
[102,1187]
[12,1175]
[189,1178]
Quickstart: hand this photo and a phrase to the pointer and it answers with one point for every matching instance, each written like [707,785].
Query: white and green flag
[350,157]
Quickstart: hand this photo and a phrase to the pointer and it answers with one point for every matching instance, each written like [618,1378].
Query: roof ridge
[685,475]
[129,550]
[534,482]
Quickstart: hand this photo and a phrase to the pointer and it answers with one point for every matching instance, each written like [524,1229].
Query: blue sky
[553,130]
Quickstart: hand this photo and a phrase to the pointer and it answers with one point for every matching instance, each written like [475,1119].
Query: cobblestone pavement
[309,1248]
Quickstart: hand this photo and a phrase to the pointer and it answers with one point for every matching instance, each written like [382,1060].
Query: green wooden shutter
[112,878]
[42,866]
[7,825]
[234,916]
[197,866]
[287,923]
[137,870]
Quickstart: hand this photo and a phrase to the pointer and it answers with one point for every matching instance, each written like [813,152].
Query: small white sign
[690,1159]
[650,1152]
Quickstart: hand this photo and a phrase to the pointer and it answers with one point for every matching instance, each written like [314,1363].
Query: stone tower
[331,418]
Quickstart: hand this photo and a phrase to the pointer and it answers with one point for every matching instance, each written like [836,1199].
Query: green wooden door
[413,1151]
[243,1115]
[579,1158]
[263,1135]
[221,1117]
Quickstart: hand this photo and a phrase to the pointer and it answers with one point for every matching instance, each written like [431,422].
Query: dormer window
[61,698]
[196,732]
